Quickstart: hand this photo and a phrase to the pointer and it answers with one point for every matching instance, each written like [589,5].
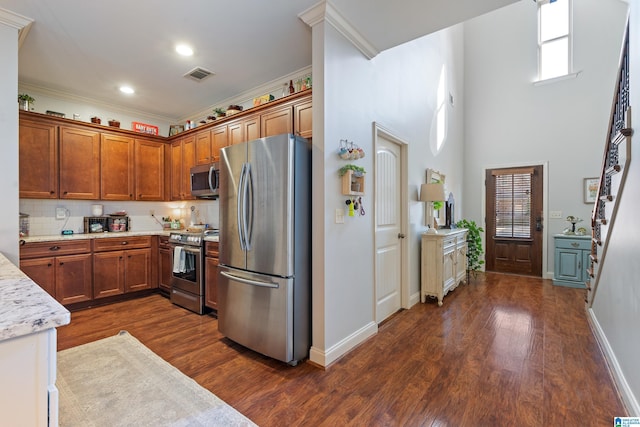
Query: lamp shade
[432,192]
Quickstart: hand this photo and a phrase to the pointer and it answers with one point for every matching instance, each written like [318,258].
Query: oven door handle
[249,281]
[192,250]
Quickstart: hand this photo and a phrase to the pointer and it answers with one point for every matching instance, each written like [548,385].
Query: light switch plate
[339,216]
[61,213]
[555,214]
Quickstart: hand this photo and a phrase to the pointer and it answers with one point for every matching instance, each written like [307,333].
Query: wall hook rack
[348,150]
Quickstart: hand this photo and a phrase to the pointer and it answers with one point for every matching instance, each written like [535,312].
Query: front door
[514,220]
[388,220]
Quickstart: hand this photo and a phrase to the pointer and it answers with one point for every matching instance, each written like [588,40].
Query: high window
[554,38]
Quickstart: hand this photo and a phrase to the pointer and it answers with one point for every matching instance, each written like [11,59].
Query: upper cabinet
[38,161]
[67,159]
[116,166]
[79,163]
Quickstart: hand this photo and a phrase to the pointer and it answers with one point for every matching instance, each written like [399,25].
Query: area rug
[117,381]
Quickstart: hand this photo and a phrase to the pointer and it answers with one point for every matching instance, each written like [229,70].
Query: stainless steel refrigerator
[264,280]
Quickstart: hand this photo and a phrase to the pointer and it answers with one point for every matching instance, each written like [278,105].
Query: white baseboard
[325,358]
[625,391]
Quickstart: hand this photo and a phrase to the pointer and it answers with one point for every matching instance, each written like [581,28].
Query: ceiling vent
[198,74]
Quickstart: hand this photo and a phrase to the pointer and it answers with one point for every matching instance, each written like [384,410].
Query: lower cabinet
[165,265]
[444,262]
[211,275]
[571,260]
[67,278]
[117,270]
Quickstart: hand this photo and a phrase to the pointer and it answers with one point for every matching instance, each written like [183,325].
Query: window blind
[513,205]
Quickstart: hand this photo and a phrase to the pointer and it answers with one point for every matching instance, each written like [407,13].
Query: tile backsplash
[43,222]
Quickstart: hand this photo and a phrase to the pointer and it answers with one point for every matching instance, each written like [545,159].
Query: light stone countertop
[25,308]
[81,236]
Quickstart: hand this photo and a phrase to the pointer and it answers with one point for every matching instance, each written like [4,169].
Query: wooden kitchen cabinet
[211,274]
[149,170]
[303,119]
[182,159]
[244,130]
[203,147]
[116,167]
[79,163]
[121,265]
[219,140]
[277,121]
[165,266]
[64,269]
[443,262]
[38,160]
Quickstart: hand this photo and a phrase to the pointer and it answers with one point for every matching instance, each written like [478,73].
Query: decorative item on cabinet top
[349,150]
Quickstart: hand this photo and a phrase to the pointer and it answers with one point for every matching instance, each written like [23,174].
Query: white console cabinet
[444,262]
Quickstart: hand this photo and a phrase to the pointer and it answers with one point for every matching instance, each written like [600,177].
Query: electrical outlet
[555,214]
[61,213]
[339,216]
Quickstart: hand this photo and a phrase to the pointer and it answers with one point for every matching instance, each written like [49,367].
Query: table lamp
[433,192]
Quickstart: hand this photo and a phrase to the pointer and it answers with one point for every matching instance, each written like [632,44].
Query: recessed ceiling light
[127,89]
[184,50]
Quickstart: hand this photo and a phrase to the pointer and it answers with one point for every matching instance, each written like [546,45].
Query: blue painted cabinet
[571,260]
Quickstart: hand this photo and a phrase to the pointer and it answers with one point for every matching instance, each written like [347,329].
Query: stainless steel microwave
[205,181]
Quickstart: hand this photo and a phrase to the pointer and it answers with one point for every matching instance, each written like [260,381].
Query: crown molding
[325,11]
[19,22]
[66,96]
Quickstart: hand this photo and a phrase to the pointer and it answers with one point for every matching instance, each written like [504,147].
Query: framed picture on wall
[590,190]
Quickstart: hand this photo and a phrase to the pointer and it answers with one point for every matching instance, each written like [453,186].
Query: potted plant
[25,101]
[357,170]
[219,112]
[474,245]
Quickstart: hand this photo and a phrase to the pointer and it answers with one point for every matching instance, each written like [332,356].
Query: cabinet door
[38,161]
[149,170]
[568,264]
[277,122]
[108,274]
[203,148]
[137,270]
[165,269]
[461,259]
[586,264]
[73,278]
[79,164]
[116,167]
[448,270]
[211,282]
[303,119]
[235,131]
[188,161]
[41,271]
[176,170]
[219,139]
[251,129]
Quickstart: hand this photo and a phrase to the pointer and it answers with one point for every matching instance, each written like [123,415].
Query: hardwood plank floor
[504,350]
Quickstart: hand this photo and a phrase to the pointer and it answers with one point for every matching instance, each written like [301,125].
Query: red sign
[144,128]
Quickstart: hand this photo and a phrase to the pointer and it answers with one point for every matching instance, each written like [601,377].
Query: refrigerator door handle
[240,209]
[248,210]
[249,281]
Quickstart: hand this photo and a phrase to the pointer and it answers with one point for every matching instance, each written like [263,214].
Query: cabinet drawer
[163,242]
[573,244]
[54,248]
[211,249]
[119,243]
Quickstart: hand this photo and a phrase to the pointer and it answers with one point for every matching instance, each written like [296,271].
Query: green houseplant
[25,100]
[357,170]
[474,245]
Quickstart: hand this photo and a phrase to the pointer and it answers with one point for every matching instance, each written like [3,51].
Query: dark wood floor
[502,351]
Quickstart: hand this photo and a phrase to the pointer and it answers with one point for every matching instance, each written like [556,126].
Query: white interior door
[388,223]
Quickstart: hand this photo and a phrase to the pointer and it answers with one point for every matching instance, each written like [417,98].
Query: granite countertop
[25,308]
[81,236]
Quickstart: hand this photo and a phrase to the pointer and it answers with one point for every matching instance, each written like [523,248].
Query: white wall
[616,307]
[509,121]
[396,89]
[9,142]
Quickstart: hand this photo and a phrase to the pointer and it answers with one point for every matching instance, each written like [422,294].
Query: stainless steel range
[187,277]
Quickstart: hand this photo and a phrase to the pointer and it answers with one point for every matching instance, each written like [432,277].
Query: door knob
[400,236]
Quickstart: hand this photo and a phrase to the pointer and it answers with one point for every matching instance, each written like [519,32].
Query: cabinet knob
[575,245]
[54,248]
[401,236]
[124,243]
